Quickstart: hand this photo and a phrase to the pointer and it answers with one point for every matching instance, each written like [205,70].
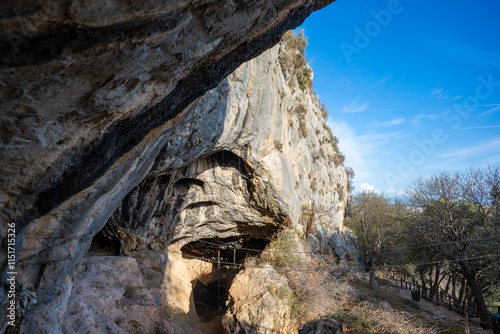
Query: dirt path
[432,311]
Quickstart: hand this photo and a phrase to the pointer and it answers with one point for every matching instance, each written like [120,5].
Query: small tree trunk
[447,288]
[461,294]
[373,268]
[422,278]
[477,293]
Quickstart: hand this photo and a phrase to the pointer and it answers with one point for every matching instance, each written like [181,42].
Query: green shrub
[130,292]
[304,78]
[295,42]
[292,61]
[338,159]
[302,128]
[278,145]
[280,291]
[280,252]
[168,311]
[300,110]
[324,111]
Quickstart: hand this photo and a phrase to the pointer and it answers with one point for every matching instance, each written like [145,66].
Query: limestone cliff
[260,151]
[242,160]
[106,122]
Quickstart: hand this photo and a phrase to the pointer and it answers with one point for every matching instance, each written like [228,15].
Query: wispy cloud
[467,53]
[383,80]
[440,93]
[479,127]
[456,97]
[354,106]
[481,149]
[387,124]
[430,117]
[361,151]
[417,120]
[397,109]
[493,110]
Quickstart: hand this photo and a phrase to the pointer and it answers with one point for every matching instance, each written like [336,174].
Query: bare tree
[458,218]
[373,220]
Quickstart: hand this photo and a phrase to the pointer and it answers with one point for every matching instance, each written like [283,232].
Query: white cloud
[387,124]
[482,154]
[368,187]
[440,93]
[354,106]
[456,97]
[354,148]
[359,149]
[481,149]
[490,111]
[384,79]
[395,192]
[479,127]
[417,120]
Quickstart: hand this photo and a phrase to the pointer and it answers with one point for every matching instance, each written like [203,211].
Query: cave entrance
[104,244]
[210,299]
[210,290]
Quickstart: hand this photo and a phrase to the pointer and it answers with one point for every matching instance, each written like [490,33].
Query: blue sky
[412,87]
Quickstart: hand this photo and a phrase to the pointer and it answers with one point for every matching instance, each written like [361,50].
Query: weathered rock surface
[258,303]
[96,102]
[109,296]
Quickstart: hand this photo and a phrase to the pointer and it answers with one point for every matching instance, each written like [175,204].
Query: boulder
[322,326]
[412,303]
[259,303]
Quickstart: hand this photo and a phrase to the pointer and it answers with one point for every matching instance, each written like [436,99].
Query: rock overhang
[85,117]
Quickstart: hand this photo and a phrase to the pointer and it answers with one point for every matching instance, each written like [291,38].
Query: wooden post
[467,329]
[218,277]
[234,256]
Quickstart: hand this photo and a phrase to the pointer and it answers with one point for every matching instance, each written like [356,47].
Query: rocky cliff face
[261,152]
[107,122]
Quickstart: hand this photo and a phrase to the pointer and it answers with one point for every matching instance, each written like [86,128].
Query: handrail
[442,298]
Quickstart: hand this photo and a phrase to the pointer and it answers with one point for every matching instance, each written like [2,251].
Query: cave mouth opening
[211,292]
[104,244]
